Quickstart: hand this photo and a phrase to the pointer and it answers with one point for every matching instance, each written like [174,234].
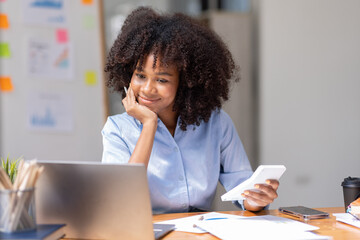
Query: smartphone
[304,213]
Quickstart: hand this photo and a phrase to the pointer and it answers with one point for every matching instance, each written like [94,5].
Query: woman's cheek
[135,85]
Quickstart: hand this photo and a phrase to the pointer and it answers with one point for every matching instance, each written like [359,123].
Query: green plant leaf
[10,167]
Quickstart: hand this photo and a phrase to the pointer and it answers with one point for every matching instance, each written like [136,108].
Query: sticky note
[87,2]
[61,35]
[89,21]
[4,50]
[6,84]
[90,78]
[4,22]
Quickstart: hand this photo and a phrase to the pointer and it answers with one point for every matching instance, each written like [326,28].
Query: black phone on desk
[304,213]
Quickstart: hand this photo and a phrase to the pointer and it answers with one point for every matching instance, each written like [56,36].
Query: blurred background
[297,103]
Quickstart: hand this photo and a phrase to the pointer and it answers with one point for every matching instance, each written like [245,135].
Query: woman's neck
[170,121]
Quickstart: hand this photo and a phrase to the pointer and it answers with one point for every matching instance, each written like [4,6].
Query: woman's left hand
[265,194]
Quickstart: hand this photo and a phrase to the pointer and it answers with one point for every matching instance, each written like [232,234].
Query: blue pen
[216,218]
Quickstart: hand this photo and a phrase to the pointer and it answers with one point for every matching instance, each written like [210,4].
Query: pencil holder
[17,210]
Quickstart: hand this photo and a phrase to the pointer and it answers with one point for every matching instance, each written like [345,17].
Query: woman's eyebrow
[164,73]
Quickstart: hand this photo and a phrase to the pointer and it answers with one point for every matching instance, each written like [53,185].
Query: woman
[174,74]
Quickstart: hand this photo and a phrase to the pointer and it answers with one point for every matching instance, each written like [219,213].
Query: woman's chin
[149,107]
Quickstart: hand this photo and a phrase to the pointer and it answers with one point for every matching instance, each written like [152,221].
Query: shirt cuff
[239,204]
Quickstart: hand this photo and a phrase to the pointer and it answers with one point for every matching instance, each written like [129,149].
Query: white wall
[310,97]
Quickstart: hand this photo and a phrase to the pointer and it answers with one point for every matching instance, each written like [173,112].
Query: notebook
[42,232]
[97,201]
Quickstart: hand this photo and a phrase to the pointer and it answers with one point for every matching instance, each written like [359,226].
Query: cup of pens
[17,210]
[17,200]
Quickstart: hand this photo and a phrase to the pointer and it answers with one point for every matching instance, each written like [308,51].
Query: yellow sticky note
[90,78]
[4,50]
[4,22]
[6,84]
[87,2]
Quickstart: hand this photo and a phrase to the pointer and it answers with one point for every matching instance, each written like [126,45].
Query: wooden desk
[328,227]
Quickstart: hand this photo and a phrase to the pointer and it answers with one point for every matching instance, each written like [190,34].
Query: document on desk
[260,227]
[347,218]
[188,224]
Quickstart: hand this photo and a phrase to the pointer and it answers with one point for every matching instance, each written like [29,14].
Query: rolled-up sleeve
[115,149]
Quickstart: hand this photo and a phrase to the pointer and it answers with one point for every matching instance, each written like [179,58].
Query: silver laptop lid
[96,201]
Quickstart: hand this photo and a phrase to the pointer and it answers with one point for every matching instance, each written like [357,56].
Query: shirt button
[181,178]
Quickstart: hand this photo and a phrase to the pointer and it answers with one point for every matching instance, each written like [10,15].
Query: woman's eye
[140,76]
[162,80]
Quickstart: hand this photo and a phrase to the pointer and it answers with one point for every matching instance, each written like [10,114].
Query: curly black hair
[204,62]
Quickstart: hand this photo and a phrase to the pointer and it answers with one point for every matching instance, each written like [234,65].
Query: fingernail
[246,192]
[268,181]
[257,186]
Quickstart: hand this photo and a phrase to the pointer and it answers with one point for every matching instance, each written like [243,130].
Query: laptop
[97,201]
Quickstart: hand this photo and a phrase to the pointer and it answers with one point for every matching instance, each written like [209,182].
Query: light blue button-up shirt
[183,170]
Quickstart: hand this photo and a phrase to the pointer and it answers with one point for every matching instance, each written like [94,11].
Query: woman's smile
[146,100]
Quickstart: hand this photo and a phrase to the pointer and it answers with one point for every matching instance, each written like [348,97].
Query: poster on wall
[51,60]
[50,112]
[44,12]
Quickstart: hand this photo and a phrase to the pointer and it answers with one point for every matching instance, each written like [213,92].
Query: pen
[125,89]
[354,216]
[201,218]
[217,218]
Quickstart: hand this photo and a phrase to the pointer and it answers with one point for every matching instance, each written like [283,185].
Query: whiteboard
[57,106]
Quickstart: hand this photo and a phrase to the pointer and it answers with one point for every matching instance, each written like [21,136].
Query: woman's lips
[148,100]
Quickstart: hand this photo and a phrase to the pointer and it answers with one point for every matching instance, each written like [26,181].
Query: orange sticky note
[4,23]
[87,2]
[90,78]
[6,84]
[61,35]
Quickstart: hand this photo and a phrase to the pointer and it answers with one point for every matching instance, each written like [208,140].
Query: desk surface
[328,227]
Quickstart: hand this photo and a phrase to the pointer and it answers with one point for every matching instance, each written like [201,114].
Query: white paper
[188,224]
[50,60]
[262,173]
[44,12]
[50,112]
[260,227]
[347,218]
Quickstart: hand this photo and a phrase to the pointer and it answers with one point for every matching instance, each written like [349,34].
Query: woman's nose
[149,87]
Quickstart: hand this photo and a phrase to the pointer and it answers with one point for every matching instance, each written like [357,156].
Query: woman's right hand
[148,118]
[140,112]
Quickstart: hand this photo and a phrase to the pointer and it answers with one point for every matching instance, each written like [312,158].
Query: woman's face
[156,87]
